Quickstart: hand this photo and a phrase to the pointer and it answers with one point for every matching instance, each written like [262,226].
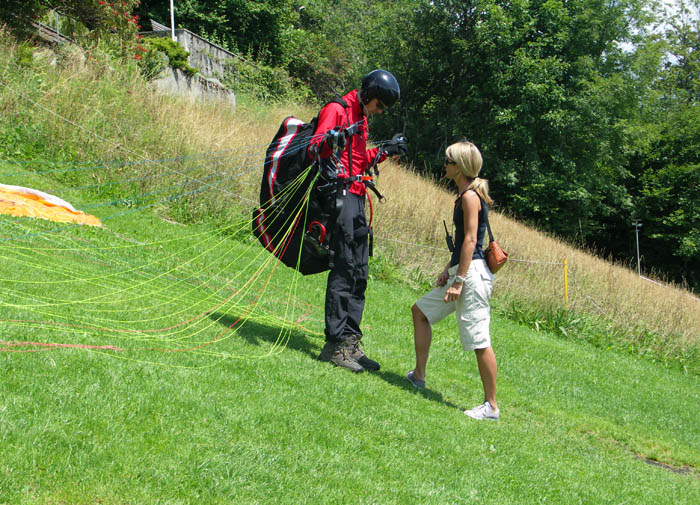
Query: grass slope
[88,121]
[192,411]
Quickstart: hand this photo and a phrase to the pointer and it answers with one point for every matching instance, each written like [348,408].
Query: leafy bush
[109,23]
[152,63]
[317,62]
[176,54]
[25,54]
[264,83]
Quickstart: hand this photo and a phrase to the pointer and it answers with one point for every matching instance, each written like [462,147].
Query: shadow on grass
[400,381]
[255,332]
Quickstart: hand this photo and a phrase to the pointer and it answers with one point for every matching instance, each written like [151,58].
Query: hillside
[165,357]
[125,140]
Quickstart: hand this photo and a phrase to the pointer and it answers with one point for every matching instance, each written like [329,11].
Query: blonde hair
[469,161]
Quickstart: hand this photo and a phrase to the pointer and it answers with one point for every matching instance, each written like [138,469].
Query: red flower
[137,57]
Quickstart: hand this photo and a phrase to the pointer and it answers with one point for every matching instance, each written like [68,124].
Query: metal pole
[172,21]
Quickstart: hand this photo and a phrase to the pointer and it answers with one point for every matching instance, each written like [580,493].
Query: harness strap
[370,184]
[370,251]
[345,105]
[367,180]
[371,211]
[359,178]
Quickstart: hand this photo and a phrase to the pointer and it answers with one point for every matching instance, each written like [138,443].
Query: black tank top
[458,220]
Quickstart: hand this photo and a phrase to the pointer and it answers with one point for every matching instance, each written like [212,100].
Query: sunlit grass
[148,382]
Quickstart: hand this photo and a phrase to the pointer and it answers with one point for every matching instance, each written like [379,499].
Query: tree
[667,191]
[18,14]
[99,18]
[539,86]
[93,14]
[257,28]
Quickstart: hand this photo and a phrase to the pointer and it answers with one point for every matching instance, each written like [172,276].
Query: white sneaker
[484,411]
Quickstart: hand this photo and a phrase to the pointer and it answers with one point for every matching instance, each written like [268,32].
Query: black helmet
[380,84]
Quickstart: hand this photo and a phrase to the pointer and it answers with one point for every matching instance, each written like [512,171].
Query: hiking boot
[484,411]
[339,355]
[328,351]
[359,356]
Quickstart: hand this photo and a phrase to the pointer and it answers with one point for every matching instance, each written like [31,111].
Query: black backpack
[299,200]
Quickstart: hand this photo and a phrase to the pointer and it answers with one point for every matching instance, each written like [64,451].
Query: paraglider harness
[301,235]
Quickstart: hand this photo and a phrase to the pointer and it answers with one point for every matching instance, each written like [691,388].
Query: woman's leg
[488,369]
[422,336]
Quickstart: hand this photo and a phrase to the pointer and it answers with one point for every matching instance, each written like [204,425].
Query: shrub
[152,63]
[25,54]
[176,54]
[318,63]
[265,83]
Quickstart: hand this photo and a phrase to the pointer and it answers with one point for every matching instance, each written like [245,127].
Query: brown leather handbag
[496,257]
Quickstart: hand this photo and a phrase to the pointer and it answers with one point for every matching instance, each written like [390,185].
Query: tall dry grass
[81,106]
[86,110]
[661,319]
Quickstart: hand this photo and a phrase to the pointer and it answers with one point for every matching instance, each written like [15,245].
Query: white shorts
[471,309]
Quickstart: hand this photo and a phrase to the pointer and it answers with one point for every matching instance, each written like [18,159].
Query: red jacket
[333,115]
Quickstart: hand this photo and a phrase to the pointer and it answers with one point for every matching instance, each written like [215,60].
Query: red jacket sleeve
[331,115]
[371,153]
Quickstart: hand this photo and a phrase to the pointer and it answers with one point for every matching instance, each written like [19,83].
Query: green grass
[198,413]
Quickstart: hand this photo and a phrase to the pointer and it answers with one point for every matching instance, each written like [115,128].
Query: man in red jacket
[347,280]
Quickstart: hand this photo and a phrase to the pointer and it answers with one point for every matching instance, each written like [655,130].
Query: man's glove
[397,145]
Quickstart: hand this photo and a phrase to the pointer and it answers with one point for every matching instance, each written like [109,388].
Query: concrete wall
[210,59]
[197,87]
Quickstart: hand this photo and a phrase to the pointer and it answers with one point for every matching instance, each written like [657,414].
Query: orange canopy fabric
[20,201]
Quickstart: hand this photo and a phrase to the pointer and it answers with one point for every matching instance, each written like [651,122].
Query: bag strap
[337,99]
[488,225]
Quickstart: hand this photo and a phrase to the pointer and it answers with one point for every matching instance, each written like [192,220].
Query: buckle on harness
[367,180]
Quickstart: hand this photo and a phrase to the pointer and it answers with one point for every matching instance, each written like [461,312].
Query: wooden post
[566,285]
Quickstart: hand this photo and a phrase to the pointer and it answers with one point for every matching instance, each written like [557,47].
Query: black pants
[347,280]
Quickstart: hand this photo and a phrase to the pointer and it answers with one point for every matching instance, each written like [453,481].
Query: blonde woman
[465,285]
